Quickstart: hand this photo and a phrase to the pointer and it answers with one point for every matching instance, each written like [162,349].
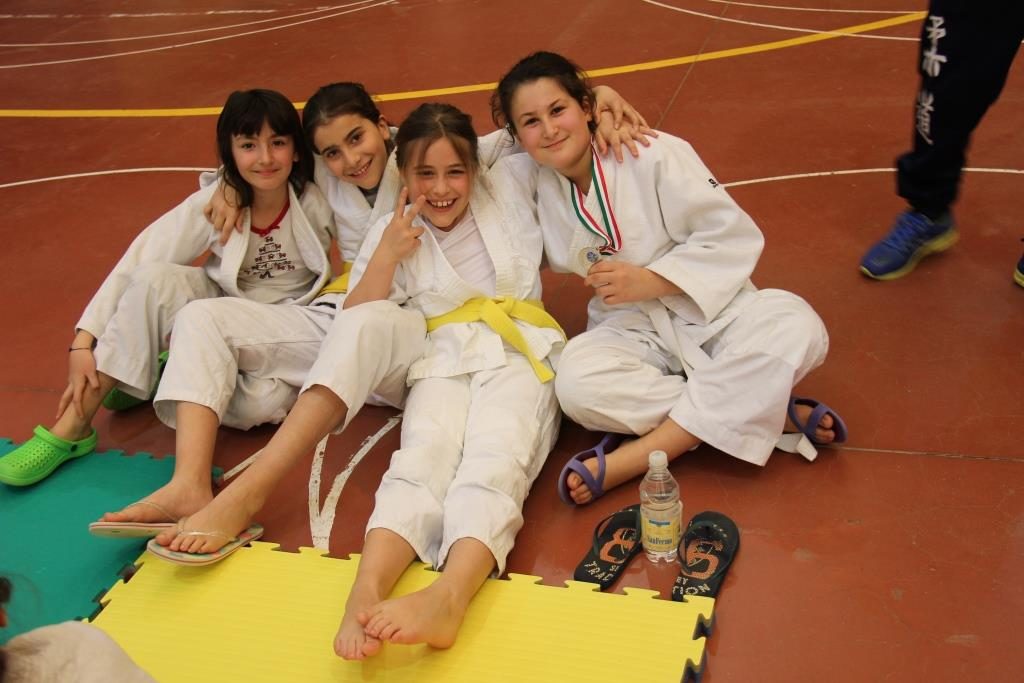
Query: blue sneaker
[912,238]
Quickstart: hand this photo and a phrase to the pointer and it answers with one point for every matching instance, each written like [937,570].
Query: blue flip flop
[575,464]
[818,411]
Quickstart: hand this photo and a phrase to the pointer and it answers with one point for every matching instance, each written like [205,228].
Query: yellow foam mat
[267,615]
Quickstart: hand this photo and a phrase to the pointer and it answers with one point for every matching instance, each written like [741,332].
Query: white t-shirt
[466,252]
[273,271]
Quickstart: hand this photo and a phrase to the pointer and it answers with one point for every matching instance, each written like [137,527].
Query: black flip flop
[709,545]
[616,542]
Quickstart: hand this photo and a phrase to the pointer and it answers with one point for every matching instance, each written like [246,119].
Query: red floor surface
[896,557]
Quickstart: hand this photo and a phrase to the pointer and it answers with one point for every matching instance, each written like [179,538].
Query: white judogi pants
[471,447]
[618,379]
[367,353]
[247,361]
[242,359]
[138,331]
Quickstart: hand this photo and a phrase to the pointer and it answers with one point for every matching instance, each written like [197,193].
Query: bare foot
[351,641]
[432,616]
[229,514]
[823,433]
[170,503]
[625,462]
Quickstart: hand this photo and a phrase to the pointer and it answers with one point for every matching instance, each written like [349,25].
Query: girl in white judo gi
[366,352]
[681,348]
[274,353]
[481,416]
[126,324]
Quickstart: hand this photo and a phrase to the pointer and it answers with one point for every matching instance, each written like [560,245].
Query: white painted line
[854,171]
[737,183]
[237,469]
[185,33]
[814,9]
[321,521]
[197,42]
[315,478]
[127,15]
[717,17]
[118,171]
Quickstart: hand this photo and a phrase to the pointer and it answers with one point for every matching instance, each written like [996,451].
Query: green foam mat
[56,566]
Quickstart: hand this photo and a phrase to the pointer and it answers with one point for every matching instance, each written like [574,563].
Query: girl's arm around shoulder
[495,146]
[318,212]
[514,178]
[390,241]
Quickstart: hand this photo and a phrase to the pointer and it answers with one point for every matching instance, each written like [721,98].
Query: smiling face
[264,160]
[354,149]
[444,179]
[552,127]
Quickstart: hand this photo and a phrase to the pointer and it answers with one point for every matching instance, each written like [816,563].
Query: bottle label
[662,535]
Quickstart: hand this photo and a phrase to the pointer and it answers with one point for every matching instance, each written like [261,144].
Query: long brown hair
[540,65]
[430,122]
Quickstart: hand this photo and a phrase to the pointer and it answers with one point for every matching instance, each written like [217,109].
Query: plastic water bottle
[661,510]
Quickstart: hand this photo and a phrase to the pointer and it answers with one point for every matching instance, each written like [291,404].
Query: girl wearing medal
[681,348]
[366,352]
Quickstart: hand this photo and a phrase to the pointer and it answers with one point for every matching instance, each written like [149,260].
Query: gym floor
[897,556]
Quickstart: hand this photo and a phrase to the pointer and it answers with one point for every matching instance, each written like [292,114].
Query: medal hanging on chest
[606,228]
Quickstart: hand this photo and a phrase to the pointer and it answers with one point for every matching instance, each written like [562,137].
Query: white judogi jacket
[427,282]
[675,220]
[183,234]
[353,213]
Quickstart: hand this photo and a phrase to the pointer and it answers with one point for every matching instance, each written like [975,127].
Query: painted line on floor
[139,15]
[718,17]
[811,9]
[185,33]
[118,171]
[321,520]
[195,42]
[854,171]
[241,467]
[440,92]
[737,183]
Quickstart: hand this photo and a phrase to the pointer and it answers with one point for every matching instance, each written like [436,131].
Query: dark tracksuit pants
[966,50]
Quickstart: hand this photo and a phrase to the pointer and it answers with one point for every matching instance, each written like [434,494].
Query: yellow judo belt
[338,285]
[498,313]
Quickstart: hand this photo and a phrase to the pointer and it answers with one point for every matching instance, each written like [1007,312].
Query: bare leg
[316,412]
[72,427]
[190,488]
[385,556]
[630,459]
[433,615]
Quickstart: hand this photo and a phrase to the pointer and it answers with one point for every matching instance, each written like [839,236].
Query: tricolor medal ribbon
[608,228]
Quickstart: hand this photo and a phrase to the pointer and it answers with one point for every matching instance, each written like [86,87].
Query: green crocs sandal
[118,400]
[35,459]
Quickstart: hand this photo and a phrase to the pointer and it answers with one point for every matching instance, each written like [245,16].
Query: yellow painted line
[456,90]
[762,47]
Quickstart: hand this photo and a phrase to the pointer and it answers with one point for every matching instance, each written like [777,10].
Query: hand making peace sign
[400,238]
